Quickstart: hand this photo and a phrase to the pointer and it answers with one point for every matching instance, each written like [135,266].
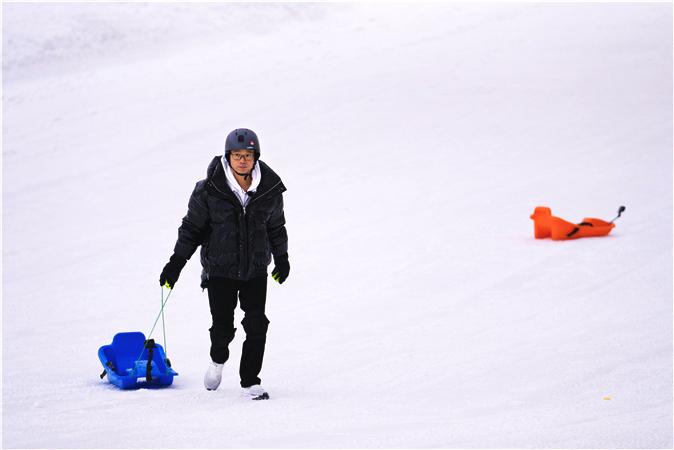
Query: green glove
[281,268]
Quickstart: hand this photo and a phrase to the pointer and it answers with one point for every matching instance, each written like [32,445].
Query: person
[236,215]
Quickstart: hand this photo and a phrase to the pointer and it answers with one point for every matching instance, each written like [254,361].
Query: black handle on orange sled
[620,211]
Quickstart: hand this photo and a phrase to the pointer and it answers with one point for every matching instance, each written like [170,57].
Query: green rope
[161,314]
[163,325]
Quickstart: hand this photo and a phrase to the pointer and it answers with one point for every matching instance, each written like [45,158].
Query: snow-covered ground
[414,140]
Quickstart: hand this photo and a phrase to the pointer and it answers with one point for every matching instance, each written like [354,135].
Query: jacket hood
[212,166]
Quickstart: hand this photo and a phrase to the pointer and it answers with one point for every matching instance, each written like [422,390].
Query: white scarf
[234,185]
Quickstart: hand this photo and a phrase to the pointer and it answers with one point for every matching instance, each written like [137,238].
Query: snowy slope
[414,141]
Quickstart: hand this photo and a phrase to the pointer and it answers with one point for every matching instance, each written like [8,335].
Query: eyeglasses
[242,156]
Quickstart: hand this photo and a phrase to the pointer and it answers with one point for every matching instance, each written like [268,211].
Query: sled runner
[131,358]
[546,225]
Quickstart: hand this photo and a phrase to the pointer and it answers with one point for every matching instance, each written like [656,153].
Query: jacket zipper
[244,231]
[246,225]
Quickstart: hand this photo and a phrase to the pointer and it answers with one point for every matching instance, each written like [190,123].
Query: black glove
[281,268]
[171,271]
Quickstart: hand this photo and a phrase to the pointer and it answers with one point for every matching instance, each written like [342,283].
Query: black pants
[222,296]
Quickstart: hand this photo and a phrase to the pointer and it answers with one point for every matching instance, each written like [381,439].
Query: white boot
[213,376]
[255,392]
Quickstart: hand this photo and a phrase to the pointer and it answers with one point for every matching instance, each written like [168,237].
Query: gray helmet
[242,139]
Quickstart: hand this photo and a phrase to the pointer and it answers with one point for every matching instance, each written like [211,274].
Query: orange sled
[546,225]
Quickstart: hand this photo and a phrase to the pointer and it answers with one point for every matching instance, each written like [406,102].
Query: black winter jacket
[235,243]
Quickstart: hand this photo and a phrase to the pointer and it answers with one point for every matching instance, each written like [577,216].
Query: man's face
[242,160]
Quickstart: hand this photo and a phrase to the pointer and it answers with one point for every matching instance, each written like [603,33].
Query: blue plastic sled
[125,364]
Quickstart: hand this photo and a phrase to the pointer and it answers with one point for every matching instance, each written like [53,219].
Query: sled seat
[131,361]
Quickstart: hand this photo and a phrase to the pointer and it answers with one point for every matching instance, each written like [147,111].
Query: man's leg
[253,296]
[222,293]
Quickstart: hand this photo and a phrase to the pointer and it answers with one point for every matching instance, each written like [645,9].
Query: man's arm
[278,238]
[276,230]
[195,224]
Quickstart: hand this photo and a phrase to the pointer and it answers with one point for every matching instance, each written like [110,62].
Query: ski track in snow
[414,141]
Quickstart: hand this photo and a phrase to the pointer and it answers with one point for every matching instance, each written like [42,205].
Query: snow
[415,141]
